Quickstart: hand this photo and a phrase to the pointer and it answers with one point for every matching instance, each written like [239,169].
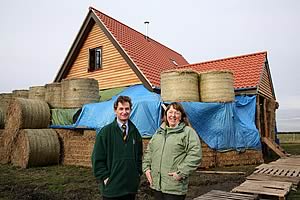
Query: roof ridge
[227,58]
[149,38]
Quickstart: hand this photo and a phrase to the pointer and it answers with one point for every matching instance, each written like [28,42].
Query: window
[174,62]
[95,59]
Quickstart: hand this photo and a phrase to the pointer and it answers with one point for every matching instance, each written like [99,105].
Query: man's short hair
[122,99]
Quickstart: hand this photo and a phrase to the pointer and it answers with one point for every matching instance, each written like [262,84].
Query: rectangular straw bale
[63,136]
[77,147]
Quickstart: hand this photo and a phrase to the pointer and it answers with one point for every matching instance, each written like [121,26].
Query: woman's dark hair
[177,106]
[122,99]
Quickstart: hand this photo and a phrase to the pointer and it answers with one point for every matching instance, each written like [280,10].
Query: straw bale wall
[79,91]
[37,92]
[179,85]
[36,147]
[53,95]
[208,156]
[248,157]
[212,158]
[216,86]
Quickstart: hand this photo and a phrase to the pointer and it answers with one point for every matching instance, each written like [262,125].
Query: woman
[173,153]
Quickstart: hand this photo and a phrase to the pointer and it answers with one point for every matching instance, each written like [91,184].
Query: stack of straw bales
[25,134]
[188,85]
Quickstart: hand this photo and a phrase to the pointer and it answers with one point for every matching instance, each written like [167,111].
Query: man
[117,155]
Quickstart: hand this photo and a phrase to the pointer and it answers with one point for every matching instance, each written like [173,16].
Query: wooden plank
[265,119]
[220,172]
[222,195]
[265,177]
[258,116]
[272,145]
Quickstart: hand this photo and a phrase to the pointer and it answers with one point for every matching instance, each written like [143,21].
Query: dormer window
[174,62]
[95,59]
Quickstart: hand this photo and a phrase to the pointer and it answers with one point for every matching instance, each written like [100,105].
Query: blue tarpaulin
[145,111]
[222,126]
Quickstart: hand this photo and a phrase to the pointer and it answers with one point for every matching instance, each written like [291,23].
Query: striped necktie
[124,131]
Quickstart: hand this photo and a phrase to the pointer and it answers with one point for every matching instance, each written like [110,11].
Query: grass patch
[293,149]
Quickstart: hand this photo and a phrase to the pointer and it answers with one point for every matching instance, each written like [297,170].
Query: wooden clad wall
[265,86]
[115,71]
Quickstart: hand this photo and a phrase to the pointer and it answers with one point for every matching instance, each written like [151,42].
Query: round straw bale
[36,147]
[216,86]
[79,91]
[37,92]
[20,93]
[53,95]
[179,85]
[28,113]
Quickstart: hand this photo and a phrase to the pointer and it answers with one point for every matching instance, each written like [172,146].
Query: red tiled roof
[149,56]
[247,69]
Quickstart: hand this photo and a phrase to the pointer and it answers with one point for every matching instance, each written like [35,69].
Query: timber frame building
[118,56]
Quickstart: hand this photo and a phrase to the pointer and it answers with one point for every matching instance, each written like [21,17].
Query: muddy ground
[68,182]
[78,183]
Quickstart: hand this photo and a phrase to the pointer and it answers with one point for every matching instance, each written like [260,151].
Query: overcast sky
[36,36]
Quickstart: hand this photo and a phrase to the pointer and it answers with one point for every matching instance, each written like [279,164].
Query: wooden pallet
[276,169]
[221,195]
[264,177]
[271,188]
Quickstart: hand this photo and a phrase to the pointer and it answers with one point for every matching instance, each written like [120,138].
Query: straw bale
[37,92]
[20,93]
[53,95]
[79,91]
[216,86]
[36,147]
[64,136]
[77,149]
[179,85]
[27,114]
